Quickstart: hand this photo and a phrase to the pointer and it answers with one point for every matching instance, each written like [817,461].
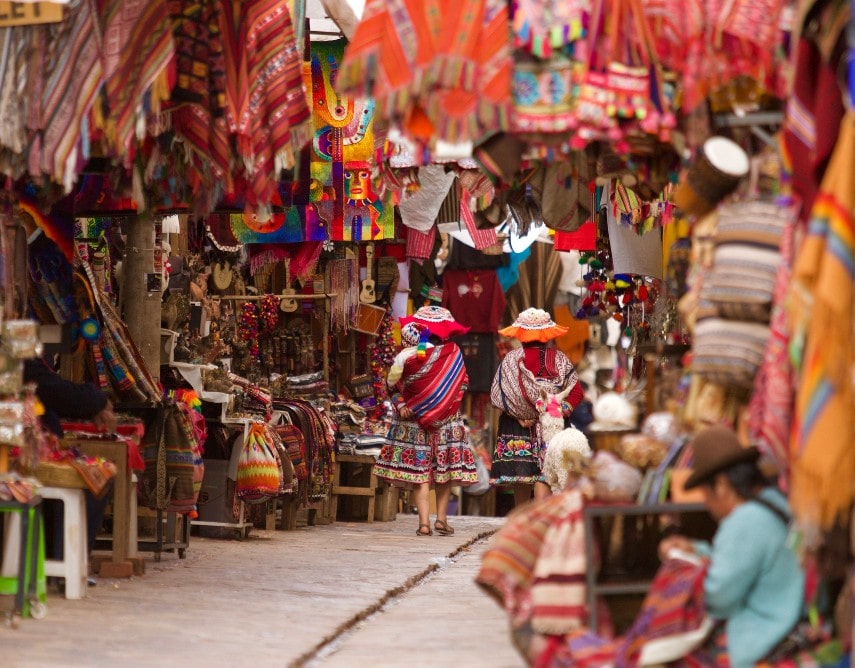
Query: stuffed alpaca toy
[567,455]
[551,419]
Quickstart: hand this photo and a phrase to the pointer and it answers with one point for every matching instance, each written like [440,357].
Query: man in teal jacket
[754,583]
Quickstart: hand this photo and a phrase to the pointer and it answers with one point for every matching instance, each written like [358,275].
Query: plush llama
[567,453]
[551,419]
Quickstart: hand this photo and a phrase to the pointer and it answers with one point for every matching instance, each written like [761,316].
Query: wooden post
[142,306]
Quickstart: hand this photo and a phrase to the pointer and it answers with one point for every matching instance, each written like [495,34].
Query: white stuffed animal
[551,418]
[568,452]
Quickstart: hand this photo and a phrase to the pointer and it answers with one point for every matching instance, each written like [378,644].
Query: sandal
[419,531]
[442,528]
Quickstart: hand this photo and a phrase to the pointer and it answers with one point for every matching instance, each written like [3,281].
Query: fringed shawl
[515,389]
[444,66]
[535,566]
[823,431]
[265,101]
[433,386]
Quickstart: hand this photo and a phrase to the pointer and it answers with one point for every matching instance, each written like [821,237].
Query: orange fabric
[577,334]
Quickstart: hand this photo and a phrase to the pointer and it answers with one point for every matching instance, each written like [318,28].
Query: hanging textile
[443,68]
[344,205]
[137,48]
[823,296]
[265,104]
[539,276]
[198,100]
[67,72]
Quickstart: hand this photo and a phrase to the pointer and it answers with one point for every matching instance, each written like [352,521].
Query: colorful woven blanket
[433,386]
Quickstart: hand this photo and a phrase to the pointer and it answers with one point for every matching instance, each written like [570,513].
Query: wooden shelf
[255,298]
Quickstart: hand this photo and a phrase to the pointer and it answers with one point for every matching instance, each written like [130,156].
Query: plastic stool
[74,566]
[22,573]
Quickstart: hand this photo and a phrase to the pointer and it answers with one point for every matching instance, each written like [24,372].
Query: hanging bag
[258,472]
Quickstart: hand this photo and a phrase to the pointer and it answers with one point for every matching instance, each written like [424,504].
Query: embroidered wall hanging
[343,205]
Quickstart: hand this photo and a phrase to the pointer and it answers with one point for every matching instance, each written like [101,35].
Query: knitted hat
[716,449]
[411,333]
[534,324]
[439,320]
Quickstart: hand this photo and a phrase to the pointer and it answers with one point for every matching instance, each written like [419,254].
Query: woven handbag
[258,472]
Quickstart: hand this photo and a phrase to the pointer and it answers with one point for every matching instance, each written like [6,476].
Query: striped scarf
[137,48]
[68,72]
[535,566]
[823,431]
[433,386]
[265,102]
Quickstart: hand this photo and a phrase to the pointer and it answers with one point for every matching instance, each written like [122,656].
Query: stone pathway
[345,594]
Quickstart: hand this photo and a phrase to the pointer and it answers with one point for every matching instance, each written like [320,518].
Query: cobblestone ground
[344,594]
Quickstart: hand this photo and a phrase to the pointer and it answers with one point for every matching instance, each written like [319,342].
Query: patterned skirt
[517,457]
[412,455]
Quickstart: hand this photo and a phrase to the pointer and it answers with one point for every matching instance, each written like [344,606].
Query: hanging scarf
[67,76]
[770,411]
[515,389]
[137,48]
[264,90]
[823,430]
[433,386]
[443,66]
[200,88]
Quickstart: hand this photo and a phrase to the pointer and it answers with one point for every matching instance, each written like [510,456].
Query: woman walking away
[427,443]
[520,381]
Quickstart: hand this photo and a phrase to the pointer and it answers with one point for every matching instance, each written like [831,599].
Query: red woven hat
[438,320]
[534,324]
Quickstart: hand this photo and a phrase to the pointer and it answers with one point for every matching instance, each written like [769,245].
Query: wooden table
[117,452]
[388,494]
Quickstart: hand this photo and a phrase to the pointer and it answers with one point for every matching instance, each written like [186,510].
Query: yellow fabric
[822,441]
[678,228]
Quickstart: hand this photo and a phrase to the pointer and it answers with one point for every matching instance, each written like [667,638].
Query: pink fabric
[771,405]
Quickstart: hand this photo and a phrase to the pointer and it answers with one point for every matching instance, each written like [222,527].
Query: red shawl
[433,386]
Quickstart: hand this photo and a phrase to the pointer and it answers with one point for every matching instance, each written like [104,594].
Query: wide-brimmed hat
[438,320]
[716,449]
[534,324]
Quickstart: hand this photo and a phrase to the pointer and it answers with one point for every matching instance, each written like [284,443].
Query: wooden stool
[352,463]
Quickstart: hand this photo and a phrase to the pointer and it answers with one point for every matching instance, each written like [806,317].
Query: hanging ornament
[248,327]
[269,307]
[90,330]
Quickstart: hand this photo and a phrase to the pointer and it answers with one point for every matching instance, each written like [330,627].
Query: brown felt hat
[716,449]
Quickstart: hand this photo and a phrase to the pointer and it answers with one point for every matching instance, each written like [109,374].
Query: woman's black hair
[745,478]
[435,340]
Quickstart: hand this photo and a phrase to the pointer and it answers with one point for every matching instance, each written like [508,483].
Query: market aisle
[269,600]
[445,620]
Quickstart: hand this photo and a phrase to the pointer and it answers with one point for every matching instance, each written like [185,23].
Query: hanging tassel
[421,350]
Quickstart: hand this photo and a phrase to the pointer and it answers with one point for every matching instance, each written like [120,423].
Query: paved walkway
[345,594]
